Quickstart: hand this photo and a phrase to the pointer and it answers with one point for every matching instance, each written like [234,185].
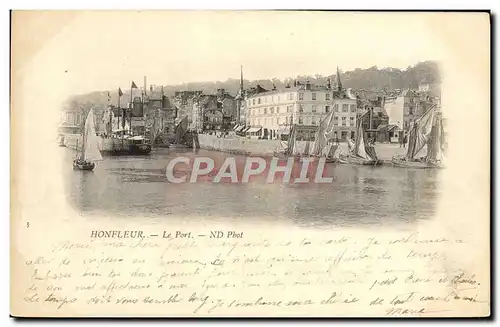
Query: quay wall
[385,151]
[238,145]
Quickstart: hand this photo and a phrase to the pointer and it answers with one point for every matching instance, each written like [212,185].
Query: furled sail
[180,130]
[291,141]
[350,145]
[108,120]
[91,149]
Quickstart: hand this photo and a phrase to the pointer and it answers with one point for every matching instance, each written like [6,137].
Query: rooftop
[345,93]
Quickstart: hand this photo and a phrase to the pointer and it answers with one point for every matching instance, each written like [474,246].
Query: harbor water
[126,187]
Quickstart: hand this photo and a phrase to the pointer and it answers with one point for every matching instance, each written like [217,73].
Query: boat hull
[415,164]
[178,146]
[132,150]
[352,160]
[111,146]
[88,166]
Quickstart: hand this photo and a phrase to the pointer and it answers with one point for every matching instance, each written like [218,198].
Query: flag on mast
[120,93]
[133,85]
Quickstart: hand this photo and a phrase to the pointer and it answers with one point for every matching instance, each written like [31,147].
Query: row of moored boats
[426,133]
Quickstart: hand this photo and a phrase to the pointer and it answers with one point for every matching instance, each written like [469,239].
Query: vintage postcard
[250,164]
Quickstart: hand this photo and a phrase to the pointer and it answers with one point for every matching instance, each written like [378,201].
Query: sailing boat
[360,153]
[180,131]
[426,130]
[285,148]
[322,140]
[90,151]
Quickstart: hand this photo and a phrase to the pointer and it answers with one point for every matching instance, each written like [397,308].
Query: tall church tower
[240,98]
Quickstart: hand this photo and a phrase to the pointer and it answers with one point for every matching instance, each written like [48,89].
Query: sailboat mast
[83,135]
[143,109]
[119,107]
[131,106]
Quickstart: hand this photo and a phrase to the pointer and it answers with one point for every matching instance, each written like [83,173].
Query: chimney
[328,83]
[295,83]
[274,87]
[308,86]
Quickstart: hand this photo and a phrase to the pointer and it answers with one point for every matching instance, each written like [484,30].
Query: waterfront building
[403,108]
[273,112]
[229,108]
[206,112]
[184,102]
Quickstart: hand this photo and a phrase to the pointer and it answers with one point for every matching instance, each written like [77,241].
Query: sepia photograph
[250,163]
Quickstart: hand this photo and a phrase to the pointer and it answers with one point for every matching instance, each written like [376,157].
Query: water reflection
[136,186]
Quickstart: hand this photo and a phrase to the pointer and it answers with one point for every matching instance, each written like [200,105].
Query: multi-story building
[184,102]
[229,106]
[403,108]
[206,112]
[304,104]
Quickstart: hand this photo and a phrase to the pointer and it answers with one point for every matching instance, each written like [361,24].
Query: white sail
[360,143]
[91,150]
[435,151]
[423,131]
[323,133]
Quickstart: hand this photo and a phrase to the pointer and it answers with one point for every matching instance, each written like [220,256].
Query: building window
[344,118]
[272,110]
[301,96]
[253,101]
[345,107]
[335,118]
[344,123]
[301,108]
[301,121]
[265,111]
[291,96]
[288,108]
[278,98]
[313,107]
[258,101]
[327,96]
[314,96]
[327,108]
[336,107]
[277,110]
[277,121]
[265,99]
[353,108]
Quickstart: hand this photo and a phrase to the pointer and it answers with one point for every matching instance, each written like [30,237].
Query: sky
[102,50]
